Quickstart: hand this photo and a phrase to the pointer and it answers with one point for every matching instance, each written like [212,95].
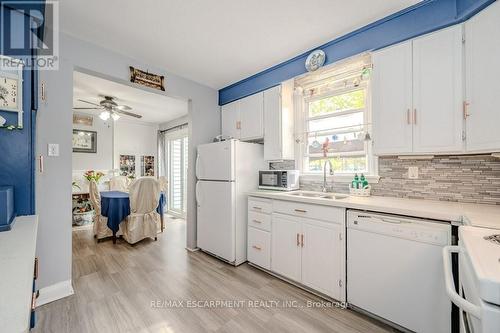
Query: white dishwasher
[395,270]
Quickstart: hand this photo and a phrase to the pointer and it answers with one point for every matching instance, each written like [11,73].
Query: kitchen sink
[331,196]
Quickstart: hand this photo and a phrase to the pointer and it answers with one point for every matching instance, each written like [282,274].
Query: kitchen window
[334,120]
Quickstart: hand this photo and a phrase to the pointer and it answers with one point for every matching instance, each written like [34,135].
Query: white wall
[103,159]
[175,122]
[135,139]
[54,125]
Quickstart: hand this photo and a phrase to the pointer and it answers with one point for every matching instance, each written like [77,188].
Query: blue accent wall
[17,147]
[422,18]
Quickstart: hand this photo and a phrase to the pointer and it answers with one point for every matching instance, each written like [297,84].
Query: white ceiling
[218,42]
[154,107]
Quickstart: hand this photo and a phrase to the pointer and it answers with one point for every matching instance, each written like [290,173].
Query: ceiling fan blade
[128,113]
[123,107]
[81,100]
[87,108]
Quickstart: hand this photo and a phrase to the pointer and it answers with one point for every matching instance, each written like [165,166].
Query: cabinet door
[323,240]
[285,246]
[437,92]
[482,72]
[231,119]
[272,125]
[252,117]
[392,100]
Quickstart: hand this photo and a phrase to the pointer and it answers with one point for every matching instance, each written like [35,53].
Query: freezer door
[215,161]
[216,218]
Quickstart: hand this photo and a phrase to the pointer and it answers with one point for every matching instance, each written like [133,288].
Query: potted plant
[82,211]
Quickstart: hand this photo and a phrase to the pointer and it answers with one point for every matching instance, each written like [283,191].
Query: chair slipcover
[144,220]
[163,183]
[119,183]
[101,229]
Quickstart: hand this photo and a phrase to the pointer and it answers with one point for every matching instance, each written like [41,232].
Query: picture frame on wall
[127,166]
[84,141]
[147,166]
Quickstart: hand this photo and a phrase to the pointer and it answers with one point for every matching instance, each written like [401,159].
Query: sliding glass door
[174,164]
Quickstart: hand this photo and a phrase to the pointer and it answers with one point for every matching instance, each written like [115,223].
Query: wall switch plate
[413,172]
[53,149]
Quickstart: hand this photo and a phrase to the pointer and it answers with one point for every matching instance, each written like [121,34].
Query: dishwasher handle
[458,300]
[385,219]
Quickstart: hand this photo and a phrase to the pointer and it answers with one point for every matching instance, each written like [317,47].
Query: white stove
[479,276]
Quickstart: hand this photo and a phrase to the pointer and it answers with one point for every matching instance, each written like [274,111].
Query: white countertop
[479,215]
[17,255]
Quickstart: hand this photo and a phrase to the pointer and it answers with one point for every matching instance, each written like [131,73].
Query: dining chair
[119,183]
[100,228]
[143,221]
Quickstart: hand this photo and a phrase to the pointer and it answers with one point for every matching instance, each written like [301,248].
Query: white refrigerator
[226,171]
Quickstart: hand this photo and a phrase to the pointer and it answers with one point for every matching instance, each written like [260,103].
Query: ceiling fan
[110,108]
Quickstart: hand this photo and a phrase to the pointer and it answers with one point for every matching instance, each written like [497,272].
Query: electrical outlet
[413,172]
[53,149]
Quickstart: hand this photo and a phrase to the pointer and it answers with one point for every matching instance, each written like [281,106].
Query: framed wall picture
[127,166]
[147,165]
[84,141]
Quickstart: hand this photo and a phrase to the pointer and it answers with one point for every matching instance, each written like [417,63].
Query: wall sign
[315,60]
[147,79]
[11,88]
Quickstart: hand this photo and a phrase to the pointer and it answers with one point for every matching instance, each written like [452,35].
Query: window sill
[339,178]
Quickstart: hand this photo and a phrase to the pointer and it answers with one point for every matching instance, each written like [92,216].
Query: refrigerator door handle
[197,192]
[197,168]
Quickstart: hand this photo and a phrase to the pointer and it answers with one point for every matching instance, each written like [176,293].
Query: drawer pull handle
[302,240]
[298,240]
[258,248]
[33,301]
[300,210]
[256,207]
[257,221]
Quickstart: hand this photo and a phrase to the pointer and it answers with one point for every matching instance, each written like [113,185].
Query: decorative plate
[315,60]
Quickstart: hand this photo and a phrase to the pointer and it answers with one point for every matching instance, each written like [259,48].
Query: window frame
[302,119]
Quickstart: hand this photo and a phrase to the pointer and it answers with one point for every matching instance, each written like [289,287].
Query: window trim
[302,117]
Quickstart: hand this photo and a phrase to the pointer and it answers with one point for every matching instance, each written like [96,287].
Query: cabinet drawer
[259,221]
[260,205]
[325,213]
[259,247]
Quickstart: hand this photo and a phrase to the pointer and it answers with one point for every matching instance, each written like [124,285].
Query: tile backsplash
[465,178]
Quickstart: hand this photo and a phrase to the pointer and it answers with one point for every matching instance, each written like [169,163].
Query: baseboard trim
[54,292]
[196,249]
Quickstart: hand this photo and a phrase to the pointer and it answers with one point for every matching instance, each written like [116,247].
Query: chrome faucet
[325,188]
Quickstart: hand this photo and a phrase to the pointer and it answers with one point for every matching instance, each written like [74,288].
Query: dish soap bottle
[355,181]
[363,182]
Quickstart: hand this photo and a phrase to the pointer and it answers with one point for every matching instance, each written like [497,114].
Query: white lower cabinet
[259,247]
[322,257]
[309,250]
[285,246]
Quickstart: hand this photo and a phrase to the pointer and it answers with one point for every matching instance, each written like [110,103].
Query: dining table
[115,205]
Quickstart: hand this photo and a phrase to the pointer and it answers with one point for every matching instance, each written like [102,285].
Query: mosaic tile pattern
[468,178]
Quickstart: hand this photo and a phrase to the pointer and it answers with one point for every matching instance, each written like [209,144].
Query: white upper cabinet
[437,92]
[482,52]
[231,119]
[278,122]
[244,119]
[392,100]
[417,95]
[252,117]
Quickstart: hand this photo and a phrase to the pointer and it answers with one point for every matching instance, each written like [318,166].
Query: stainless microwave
[281,180]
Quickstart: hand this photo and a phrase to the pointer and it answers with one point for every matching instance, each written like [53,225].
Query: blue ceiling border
[422,18]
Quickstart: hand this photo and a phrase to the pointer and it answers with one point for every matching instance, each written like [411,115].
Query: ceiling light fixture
[104,115]
[115,116]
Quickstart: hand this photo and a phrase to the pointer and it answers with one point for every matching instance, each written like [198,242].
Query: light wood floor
[116,284]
